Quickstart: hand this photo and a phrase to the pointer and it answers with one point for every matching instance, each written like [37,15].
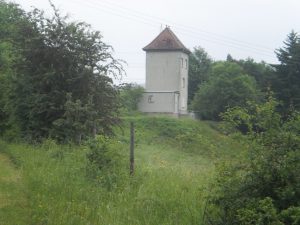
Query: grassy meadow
[174,162]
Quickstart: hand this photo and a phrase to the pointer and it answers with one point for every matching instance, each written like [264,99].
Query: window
[181,62]
[150,99]
[183,82]
[186,63]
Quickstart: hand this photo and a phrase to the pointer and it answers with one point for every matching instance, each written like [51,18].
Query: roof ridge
[166,41]
[174,35]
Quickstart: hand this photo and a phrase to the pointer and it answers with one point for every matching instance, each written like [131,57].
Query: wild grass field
[174,171]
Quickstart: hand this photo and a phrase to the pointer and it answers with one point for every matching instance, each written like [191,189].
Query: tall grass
[13,208]
[170,184]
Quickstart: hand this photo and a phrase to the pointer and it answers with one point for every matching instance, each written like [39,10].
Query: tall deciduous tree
[260,71]
[63,77]
[228,86]
[199,68]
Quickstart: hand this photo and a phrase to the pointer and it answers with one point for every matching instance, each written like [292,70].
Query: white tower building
[166,75]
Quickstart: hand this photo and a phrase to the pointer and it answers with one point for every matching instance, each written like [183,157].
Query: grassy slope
[174,166]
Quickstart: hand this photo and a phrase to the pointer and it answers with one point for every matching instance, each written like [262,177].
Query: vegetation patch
[170,184]
[13,200]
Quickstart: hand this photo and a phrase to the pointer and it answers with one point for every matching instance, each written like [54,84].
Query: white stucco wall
[162,71]
[159,102]
[166,71]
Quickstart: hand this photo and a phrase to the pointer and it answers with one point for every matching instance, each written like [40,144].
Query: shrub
[130,95]
[264,187]
[104,161]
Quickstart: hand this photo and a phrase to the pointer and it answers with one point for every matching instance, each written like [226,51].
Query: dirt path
[13,210]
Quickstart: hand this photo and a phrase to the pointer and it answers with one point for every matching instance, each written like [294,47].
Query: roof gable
[166,41]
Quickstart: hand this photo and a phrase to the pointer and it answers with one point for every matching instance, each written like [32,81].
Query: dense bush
[104,162]
[264,187]
[130,95]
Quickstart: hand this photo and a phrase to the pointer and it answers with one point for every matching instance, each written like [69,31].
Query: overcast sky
[243,28]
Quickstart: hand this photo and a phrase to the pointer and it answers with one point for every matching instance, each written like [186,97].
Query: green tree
[286,83]
[260,71]
[229,58]
[79,120]
[130,95]
[262,185]
[13,24]
[62,58]
[227,87]
[199,68]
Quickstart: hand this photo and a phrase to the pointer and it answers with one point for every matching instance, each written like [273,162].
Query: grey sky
[243,28]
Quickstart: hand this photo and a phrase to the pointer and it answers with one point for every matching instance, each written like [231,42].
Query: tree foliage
[263,187]
[13,23]
[199,68]
[228,86]
[130,95]
[286,83]
[260,71]
[64,67]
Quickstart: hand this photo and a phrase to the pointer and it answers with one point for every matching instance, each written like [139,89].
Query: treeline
[217,86]
[55,77]
[259,104]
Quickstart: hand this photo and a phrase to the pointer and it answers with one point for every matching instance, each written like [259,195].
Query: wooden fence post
[131,148]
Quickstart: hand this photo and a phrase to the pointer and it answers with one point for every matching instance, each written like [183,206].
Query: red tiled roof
[166,41]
